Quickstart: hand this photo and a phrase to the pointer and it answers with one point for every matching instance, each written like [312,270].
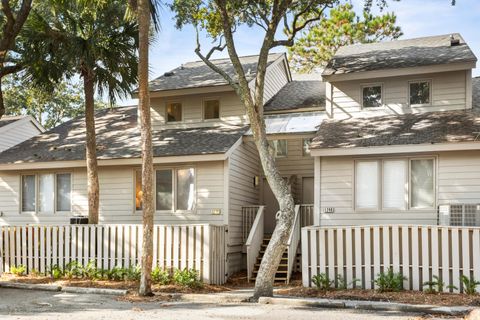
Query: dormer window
[419,93]
[211,109]
[174,112]
[372,96]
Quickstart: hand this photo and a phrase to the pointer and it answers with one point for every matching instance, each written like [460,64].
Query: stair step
[280,265]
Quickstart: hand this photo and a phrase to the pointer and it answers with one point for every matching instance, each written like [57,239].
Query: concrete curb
[27,286]
[212,298]
[54,287]
[367,305]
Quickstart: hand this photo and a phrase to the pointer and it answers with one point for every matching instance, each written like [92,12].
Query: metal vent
[459,215]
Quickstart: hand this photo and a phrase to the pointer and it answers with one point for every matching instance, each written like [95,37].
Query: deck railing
[201,247]
[254,241]
[248,217]
[306,215]
[293,241]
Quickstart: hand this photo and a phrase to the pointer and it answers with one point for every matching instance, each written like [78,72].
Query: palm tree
[90,40]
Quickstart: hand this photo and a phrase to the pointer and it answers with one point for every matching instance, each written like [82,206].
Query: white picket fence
[201,247]
[418,252]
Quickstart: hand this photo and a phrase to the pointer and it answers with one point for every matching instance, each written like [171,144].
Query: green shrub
[434,286]
[132,273]
[322,281]
[56,272]
[74,270]
[116,274]
[469,284]
[187,278]
[389,281]
[21,270]
[160,276]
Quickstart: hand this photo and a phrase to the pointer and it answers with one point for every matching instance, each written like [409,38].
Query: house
[403,136]
[16,129]
[387,135]
[207,168]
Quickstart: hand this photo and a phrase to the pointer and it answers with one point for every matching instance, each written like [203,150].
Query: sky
[417,18]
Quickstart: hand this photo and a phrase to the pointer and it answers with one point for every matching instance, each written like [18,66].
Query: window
[174,112]
[419,93]
[280,147]
[366,185]
[422,184]
[138,190]
[394,184]
[372,96]
[174,189]
[46,192]
[211,109]
[28,193]
[164,189]
[306,146]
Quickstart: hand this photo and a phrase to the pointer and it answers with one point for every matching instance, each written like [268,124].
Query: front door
[271,207]
[307,190]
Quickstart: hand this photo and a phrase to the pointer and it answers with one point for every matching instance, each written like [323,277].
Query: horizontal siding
[117,197]
[17,133]
[448,93]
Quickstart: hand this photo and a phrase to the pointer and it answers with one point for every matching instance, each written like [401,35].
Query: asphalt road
[24,304]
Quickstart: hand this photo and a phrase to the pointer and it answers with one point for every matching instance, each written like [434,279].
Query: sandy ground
[24,304]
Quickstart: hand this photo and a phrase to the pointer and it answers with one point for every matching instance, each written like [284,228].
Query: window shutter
[366,185]
[394,180]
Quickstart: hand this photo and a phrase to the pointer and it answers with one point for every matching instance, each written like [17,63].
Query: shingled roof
[118,137]
[405,129]
[426,51]
[198,74]
[298,94]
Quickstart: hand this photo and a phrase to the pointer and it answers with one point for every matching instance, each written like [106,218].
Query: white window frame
[408,189]
[166,111]
[219,109]
[37,193]
[304,153]
[274,147]
[367,85]
[430,82]
[174,209]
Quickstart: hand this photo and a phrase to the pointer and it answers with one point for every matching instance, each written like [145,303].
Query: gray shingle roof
[118,137]
[297,95]
[198,74]
[424,51]
[406,129]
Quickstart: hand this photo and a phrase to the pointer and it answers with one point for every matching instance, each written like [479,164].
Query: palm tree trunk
[91,147]
[147,153]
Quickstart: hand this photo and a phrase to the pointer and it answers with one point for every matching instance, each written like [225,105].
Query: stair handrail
[254,241]
[293,242]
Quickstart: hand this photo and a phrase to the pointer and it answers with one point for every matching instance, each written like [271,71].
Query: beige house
[16,129]
[394,132]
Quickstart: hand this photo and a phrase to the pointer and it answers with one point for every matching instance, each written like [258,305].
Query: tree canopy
[317,43]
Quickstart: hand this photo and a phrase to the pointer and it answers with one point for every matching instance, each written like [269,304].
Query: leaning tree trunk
[2,105]
[91,147]
[147,153]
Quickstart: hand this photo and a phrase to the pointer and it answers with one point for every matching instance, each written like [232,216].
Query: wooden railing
[201,247]
[254,241]
[248,217]
[306,215]
[293,241]
[358,254]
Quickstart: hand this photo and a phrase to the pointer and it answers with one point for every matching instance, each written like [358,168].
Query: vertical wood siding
[197,246]
[417,252]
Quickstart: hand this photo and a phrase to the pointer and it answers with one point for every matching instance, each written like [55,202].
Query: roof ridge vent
[454,41]
[169,74]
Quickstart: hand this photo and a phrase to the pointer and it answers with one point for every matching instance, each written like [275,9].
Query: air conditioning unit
[461,214]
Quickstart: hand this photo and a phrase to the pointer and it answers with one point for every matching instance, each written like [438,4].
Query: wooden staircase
[282,271]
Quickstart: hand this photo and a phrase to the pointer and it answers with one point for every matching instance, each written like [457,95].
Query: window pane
[28,193]
[372,96]
[185,189]
[422,185]
[420,92]
[366,185]
[394,179]
[211,109]
[164,189]
[64,187]
[138,190]
[280,147]
[174,112]
[45,192]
